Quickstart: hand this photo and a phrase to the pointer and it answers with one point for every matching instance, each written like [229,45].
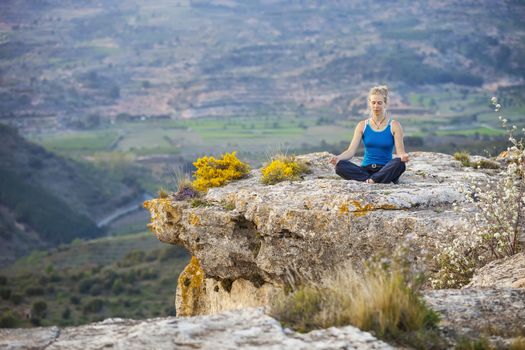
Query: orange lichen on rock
[194,219]
[343,208]
[163,214]
[361,210]
[191,284]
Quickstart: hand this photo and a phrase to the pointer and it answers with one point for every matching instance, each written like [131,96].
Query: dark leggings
[390,172]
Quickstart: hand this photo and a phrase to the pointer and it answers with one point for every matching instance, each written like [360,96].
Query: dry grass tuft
[162,193]
[185,189]
[463,157]
[381,300]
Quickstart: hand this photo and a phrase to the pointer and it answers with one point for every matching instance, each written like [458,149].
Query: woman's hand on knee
[404,157]
[334,160]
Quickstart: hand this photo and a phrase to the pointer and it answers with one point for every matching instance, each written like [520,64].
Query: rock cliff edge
[246,237]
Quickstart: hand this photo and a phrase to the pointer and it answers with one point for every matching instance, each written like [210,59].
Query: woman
[379,135]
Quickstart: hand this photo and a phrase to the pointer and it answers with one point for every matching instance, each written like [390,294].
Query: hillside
[76,64]
[86,281]
[47,200]
[156,85]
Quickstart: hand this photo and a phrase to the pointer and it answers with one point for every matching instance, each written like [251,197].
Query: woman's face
[377,104]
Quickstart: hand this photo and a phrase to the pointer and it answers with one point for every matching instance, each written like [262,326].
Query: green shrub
[96,269]
[463,157]
[42,280]
[118,286]
[472,344]
[49,269]
[33,291]
[84,285]
[8,320]
[5,293]
[96,289]
[170,252]
[108,277]
[3,280]
[130,277]
[66,314]
[75,300]
[16,298]
[147,274]
[39,309]
[93,306]
[485,164]
[134,257]
[55,277]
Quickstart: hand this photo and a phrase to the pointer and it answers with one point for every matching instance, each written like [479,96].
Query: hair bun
[379,90]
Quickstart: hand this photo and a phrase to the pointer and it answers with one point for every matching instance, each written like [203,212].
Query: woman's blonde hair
[379,90]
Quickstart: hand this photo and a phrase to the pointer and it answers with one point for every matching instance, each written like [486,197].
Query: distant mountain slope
[47,200]
[69,59]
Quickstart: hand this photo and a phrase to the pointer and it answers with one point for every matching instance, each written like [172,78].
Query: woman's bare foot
[370,181]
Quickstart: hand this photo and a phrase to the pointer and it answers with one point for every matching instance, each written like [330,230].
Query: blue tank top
[378,145]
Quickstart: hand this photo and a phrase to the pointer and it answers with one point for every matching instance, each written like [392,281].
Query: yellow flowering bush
[283,168]
[212,172]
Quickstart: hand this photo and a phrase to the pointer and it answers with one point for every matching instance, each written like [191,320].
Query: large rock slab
[258,233]
[242,329]
[498,314]
[503,273]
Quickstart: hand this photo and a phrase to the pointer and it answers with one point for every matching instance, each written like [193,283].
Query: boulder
[503,273]
[498,314]
[254,235]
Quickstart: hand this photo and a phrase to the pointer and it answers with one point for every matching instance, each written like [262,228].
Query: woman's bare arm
[397,130]
[354,145]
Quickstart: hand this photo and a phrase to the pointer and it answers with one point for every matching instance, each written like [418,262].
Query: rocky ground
[500,313]
[240,329]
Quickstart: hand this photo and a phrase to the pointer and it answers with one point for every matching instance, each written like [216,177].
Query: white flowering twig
[499,222]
